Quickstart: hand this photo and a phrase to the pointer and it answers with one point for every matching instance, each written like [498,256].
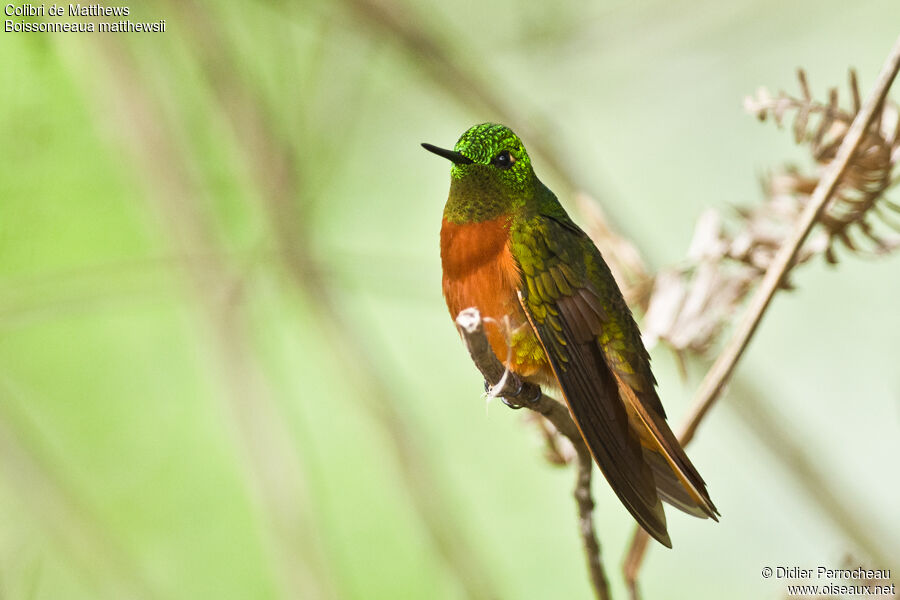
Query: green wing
[589,337]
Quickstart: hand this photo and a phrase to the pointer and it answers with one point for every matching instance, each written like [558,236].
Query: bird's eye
[504,160]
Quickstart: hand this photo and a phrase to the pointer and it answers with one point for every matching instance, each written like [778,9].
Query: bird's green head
[491,174]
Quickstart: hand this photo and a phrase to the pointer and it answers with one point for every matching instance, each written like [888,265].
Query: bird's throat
[475,199]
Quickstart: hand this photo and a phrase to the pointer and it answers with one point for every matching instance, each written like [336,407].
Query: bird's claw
[510,404]
[514,395]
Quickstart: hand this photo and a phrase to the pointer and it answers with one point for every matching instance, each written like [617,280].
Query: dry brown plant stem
[719,374]
[508,385]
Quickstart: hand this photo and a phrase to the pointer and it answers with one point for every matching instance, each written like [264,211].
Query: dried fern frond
[690,304]
[822,127]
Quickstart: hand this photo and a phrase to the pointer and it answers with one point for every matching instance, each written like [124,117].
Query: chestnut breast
[480,271]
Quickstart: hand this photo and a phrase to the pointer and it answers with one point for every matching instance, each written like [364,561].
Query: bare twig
[528,395]
[633,561]
[586,522]
[719,374]
[721,371]
[690,304]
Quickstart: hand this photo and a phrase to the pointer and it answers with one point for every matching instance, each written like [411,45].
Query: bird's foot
[515,395]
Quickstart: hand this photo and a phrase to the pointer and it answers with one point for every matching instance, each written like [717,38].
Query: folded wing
[596,353]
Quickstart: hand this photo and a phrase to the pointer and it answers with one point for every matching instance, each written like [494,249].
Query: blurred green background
[226,369]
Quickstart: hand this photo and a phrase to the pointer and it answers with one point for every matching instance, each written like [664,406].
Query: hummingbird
[555,316]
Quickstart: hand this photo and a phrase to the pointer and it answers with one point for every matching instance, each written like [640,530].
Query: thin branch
[719,374]
[521,393]
[586,522]
[633,561]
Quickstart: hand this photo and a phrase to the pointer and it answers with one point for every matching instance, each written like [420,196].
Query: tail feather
[657,438]
[669,486]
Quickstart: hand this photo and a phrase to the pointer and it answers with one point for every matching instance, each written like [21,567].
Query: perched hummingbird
[509,249]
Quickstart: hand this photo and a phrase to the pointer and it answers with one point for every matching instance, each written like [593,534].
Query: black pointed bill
[451,155]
